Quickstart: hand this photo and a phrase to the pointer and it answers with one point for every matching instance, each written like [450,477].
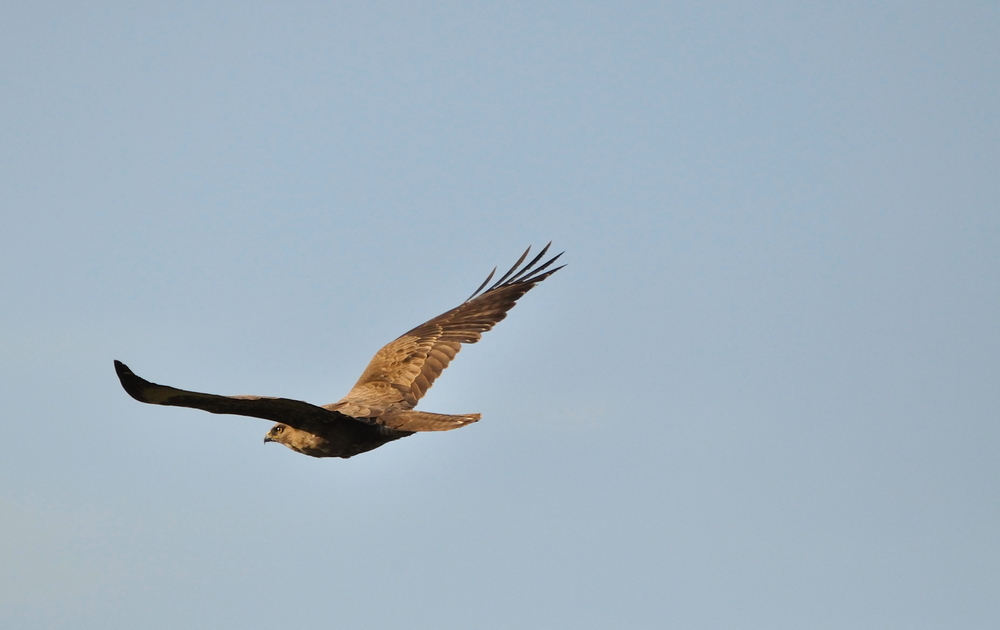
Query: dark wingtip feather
[506,275]
[130,382]
[535,272]
[528,274]
[485,282]
[527,268]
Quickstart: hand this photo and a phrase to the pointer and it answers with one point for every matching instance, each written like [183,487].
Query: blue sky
[763,393]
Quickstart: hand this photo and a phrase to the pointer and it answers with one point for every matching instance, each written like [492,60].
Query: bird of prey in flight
[379,408]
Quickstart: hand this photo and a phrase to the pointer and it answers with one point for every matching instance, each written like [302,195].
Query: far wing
[294,413]
[402,371]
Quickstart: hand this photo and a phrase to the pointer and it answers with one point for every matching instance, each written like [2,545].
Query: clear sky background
[764,393]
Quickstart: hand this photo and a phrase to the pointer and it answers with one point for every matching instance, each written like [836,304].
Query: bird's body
[379,408]
[322,439]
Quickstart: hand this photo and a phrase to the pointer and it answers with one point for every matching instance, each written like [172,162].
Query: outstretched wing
[294,413]
[402,371]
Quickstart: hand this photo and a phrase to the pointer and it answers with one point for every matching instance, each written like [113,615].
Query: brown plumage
[379,408]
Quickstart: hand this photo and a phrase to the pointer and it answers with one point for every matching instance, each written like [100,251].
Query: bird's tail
[423,421]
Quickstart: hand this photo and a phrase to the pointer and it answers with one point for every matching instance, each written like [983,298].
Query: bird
[380,407]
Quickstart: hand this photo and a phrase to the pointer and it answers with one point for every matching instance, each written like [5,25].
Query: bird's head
[279,433]
[298,440]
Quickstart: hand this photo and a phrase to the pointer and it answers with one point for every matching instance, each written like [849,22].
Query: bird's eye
[279,429]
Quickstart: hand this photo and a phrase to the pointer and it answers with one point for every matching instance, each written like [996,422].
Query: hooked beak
[267,438]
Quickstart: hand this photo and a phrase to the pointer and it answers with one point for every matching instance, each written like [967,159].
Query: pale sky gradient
[764,394]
